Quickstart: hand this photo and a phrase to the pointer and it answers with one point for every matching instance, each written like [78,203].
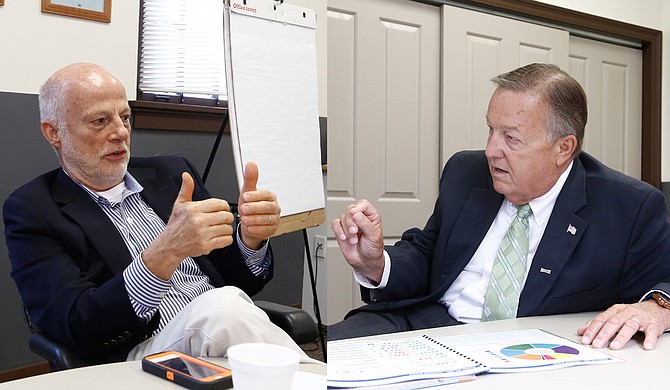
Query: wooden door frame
[651,45]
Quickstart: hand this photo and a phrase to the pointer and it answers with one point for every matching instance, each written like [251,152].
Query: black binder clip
[278,2]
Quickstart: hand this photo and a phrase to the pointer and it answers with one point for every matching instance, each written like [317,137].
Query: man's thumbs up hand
[195,228]
[186,190]
[258,209]
[250,177]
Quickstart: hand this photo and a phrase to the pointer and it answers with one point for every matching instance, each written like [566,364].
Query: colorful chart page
[524,350]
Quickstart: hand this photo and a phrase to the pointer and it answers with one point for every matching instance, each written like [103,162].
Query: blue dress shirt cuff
[259,260]
[650,293]
[145,289]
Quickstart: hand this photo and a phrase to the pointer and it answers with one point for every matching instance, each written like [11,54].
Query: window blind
[182,48]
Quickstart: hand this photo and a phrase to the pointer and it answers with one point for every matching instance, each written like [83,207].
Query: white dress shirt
[465,297]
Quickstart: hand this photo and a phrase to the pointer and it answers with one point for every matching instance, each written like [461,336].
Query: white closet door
[612,78]
[383,121]
[477,47]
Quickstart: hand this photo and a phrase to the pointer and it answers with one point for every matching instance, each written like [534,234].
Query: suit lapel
[561,236]
[159,191]
[482,206]
[99,229]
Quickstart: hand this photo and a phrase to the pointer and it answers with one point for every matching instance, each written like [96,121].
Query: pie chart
[539,351]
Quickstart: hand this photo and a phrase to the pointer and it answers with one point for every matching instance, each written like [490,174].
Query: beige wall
[34,44]
[647,13]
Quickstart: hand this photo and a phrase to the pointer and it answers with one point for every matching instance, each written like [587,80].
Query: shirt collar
[130,186]
[544,205]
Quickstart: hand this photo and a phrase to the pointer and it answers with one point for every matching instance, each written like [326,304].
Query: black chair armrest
[58,356]
[296,322]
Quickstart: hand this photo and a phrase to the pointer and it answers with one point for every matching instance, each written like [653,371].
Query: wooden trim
[25,372]
[307,219]
[80,12]
[651,41]
[652,111]
[183,117]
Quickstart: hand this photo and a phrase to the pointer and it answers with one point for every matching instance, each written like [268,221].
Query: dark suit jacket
[620,248]
[67,258]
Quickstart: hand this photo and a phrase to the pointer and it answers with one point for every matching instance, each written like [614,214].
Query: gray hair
[52,103]
[563,95]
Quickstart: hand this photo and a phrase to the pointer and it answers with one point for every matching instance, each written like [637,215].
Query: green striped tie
[509,269]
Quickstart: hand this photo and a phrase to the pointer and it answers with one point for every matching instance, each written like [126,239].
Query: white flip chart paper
[273,99]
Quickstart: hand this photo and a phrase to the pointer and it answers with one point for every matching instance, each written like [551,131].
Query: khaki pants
[213,322]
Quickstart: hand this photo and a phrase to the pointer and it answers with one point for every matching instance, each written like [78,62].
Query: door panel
[477,47]
[612,78]
[383,121]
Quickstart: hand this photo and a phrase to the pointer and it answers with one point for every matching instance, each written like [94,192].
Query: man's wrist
[253,244]
[250,244]
[661,300]
[371,284]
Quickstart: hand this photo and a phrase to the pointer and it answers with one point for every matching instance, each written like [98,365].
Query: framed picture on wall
[99,10]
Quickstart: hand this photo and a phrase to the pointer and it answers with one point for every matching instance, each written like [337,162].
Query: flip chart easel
[270,53]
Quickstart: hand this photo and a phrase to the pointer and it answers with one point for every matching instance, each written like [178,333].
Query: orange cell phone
[188,371]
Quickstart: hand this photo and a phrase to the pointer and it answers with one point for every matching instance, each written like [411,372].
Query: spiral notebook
[362,363]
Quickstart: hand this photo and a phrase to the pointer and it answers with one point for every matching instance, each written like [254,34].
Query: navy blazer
[619,251]
[67,258]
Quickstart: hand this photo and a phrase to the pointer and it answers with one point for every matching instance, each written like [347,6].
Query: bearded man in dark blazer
[119,257]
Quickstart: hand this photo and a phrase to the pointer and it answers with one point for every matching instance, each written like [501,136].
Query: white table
[129,375]
[640,370]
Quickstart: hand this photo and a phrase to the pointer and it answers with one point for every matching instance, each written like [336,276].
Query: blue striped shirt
[139,226]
